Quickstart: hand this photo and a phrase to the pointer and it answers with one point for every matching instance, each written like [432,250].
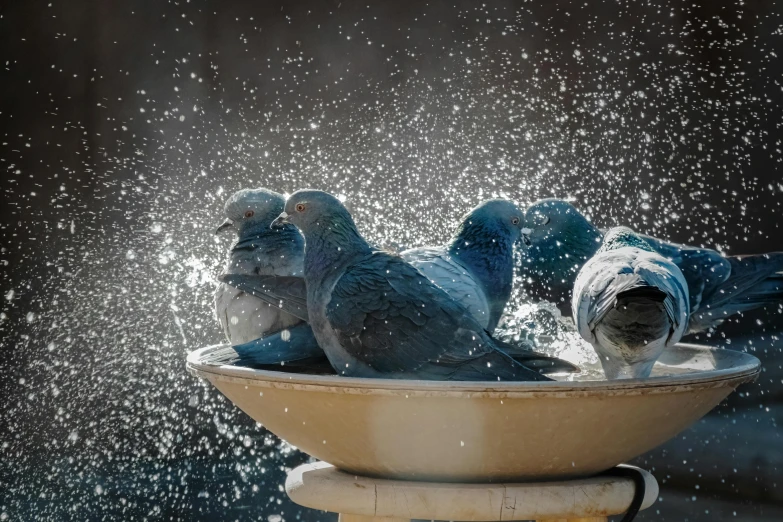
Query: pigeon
[263,335]
[630,303]
[476,267]
[375,315]
[258,250]
[558,241]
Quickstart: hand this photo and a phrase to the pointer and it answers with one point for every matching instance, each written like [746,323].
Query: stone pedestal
[363,499]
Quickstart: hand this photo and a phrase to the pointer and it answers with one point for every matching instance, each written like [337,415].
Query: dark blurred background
[125,125]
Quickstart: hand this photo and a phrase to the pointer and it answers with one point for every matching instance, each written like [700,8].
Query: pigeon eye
[249,214]
[300,207]
[515,221]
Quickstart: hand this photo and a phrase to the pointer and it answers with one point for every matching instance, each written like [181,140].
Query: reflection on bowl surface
[480,431]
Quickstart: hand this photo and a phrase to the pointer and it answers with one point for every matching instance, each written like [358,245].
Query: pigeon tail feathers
[643,291]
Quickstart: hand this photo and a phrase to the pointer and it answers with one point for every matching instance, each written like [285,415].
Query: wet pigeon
[476,267]
[629,303]
[258,250]
[559,240]
[376,315]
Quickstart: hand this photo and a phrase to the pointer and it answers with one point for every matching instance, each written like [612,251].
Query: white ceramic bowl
[480,431]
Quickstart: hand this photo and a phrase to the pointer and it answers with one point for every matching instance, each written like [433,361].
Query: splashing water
[118,151]
[552,334]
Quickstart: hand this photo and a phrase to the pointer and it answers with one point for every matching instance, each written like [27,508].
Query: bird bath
[480,431]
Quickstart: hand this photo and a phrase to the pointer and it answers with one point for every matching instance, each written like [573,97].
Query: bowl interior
[683,364]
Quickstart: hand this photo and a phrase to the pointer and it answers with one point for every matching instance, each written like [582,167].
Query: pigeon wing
[522,352]
[451,276]
[391,317]
[747,274]
[704,270]
[292,346]
[755,281]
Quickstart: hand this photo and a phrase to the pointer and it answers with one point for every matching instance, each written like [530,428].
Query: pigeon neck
[331,247]
[552,263]
[488,253]
[268,238]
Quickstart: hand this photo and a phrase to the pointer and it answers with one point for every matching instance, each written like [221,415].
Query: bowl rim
[747,369]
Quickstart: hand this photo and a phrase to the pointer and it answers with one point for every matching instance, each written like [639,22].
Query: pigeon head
[250,211]
[329,231]
[490,219]
[621,237]
[310,210]
[550,219]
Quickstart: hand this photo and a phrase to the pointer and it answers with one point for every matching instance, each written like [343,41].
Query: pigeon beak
[225,226]
[280,221]
[526,235]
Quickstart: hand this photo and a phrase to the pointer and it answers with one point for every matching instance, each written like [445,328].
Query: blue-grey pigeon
[630,303]
[262,333]
[476,267]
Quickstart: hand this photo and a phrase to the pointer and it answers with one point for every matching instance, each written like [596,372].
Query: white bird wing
[453,278]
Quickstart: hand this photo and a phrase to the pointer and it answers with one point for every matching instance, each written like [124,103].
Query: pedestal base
[362,499]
